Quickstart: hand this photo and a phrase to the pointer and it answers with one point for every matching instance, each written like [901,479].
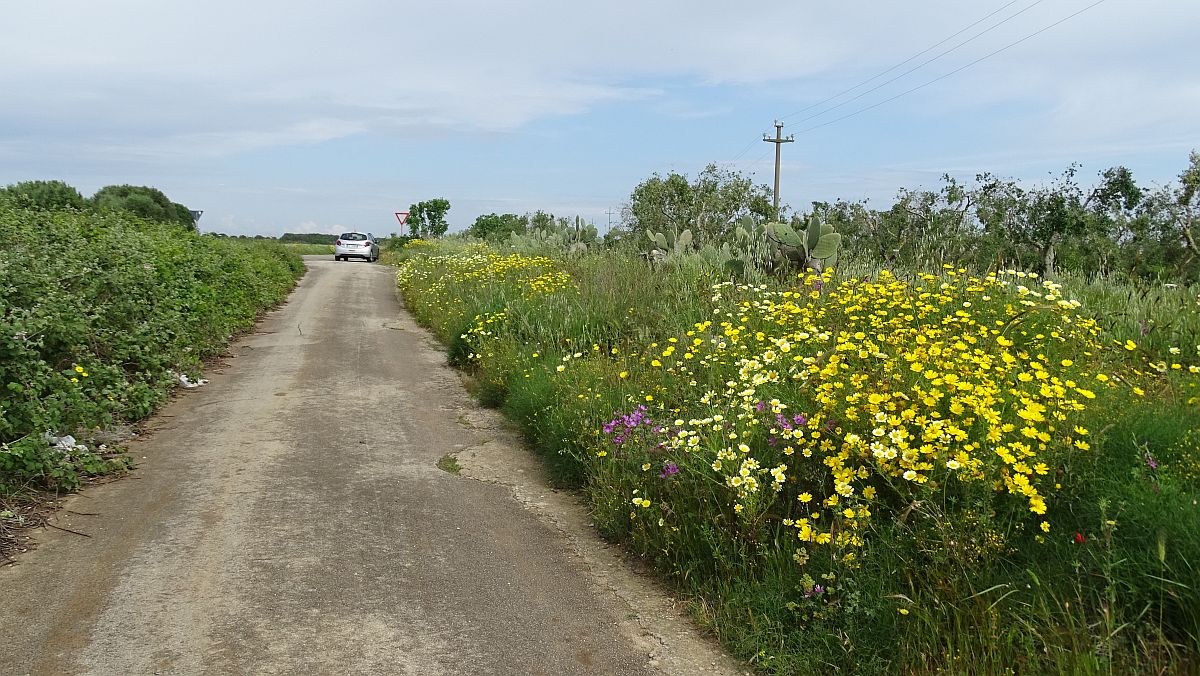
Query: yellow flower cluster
[816,404]
[479,265]
[448,278]
[486,326]
[80,371]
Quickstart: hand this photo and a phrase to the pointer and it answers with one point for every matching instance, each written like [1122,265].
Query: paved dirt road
[289,518]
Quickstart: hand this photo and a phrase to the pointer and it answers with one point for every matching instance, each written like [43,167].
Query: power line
[761,158]
[956,70]
[927,49]
[750,145]
[920,65]
[744,151]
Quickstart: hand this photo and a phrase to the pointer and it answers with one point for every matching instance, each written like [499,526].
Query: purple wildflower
[1151,461]
[669,470]
[623,425]
[783,421]
[815,590]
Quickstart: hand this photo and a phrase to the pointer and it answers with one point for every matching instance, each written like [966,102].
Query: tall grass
[1160,315]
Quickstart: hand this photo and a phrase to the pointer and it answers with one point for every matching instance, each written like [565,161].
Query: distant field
[309,249]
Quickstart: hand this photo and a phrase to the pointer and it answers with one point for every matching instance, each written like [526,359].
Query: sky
[313,116]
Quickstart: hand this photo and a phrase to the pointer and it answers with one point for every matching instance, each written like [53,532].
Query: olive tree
[709,205]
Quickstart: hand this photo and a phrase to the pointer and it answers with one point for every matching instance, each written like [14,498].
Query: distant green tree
[146,202]
[923,225]
[416,220]
[497,226]
[47,195]
[708,206]
[1115,231]
[1112,227]
[435,216]
[1187,199]
[1051,215]
[428,218]
[540,220]
[1164,238]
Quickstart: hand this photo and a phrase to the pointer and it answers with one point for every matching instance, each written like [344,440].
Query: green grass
[1156,316]
[304,249]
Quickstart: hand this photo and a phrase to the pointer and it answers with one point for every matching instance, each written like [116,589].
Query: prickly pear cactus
[564,236]
[815,247]
[665,244]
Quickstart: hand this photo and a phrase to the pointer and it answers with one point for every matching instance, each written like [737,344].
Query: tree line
[1112,226]
[308,238]
[497,227]
[143,201]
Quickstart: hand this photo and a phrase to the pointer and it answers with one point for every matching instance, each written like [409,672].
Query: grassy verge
[100,316]
[870,474]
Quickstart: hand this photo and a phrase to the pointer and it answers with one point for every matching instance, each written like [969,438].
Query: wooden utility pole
[779,140]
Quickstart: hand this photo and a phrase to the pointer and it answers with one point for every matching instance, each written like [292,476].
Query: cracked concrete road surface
[289,518]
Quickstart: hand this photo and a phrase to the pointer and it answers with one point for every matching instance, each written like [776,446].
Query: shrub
[98,315]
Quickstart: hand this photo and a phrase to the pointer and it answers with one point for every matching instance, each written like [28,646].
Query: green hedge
[99,313]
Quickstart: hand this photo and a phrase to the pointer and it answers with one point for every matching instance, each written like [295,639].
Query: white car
[356,245]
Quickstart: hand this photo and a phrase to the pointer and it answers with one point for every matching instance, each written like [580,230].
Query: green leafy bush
[42,195]
[143,202]
[99,313]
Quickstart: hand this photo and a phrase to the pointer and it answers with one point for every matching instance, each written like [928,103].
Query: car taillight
[338,243]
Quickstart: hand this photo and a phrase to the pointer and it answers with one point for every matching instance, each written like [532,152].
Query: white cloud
[240,75]
[225,72]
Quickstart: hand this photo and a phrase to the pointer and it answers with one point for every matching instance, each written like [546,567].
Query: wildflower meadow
[860,470]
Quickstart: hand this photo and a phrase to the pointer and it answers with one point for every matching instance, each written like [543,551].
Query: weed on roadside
[449,463]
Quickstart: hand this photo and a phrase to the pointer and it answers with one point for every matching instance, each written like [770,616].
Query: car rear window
[353,236]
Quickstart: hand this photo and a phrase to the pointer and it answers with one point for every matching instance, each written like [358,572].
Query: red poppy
[1079,538]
